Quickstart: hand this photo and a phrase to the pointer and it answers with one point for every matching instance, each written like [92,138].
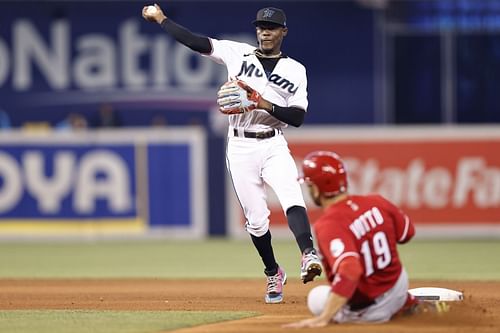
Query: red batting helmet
[325,170]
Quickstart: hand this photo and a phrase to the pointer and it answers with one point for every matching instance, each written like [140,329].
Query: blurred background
[108,127]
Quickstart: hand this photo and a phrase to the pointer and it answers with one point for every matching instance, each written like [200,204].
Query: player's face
[270,37]
[315,195]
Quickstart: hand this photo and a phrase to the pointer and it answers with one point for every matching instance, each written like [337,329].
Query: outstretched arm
[344,285]
[195,42]
[332,306]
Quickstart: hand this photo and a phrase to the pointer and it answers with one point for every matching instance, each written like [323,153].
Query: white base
[436,294]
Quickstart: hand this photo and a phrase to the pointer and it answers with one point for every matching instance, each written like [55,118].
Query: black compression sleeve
[291,115]
[182,35]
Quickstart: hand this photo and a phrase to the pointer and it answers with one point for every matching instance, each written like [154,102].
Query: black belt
[258,135]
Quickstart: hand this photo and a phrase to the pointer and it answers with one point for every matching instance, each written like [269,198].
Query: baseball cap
[270,15]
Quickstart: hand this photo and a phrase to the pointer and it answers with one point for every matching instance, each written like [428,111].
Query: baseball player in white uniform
[266,92]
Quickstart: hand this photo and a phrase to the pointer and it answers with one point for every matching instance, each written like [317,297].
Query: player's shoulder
[376,199]
[331,229]
[237,45]
[369,198]
[293,62]
[332,219]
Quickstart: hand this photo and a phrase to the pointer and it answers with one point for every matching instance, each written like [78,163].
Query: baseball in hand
[151,10]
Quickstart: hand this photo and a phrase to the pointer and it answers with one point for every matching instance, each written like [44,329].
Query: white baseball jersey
[286,85]
[252,163]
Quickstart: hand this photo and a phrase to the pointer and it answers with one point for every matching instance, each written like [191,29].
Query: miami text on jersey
[274,78]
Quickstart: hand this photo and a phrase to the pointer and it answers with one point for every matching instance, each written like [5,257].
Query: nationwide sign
[61,56]
[63,61]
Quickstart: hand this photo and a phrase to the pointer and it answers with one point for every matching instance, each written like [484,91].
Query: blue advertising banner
[67,181]
[169,165]
[103,183]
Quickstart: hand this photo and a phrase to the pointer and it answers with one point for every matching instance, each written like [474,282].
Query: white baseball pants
[252,163]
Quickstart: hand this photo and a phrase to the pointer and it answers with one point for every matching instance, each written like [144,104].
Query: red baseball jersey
[367,228]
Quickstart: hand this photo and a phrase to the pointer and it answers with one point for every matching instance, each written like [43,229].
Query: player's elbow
[350,272]
[351,268]
[409,235]
[298,119]
[296,123]
[411,232]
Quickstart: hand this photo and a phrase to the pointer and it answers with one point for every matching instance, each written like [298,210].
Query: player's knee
[257,230]
[296,210]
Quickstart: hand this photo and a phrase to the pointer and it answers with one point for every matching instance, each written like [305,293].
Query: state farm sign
[468,184]
[439,178]
[447,179]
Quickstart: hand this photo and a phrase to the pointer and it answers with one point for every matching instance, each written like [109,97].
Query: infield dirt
[479,312]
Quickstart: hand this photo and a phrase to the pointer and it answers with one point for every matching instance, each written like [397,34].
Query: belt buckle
[266,135]
[261,135]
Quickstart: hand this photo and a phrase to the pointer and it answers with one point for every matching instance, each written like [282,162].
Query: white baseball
[151,10]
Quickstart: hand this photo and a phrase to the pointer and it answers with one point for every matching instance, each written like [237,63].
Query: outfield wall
[447,179]
[103,183]
[153,182]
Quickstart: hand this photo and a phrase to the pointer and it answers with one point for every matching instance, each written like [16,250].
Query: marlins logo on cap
[267,13]
[271,15]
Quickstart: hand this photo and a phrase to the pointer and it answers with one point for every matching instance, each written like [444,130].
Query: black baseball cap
[270,15]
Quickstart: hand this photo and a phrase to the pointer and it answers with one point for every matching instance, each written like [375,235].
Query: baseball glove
[236,97]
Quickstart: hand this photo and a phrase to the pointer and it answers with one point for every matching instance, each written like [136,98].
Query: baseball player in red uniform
[357,237]
[266,92]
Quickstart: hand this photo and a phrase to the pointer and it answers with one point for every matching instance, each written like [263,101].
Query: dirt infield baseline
[446,179]
[479,312]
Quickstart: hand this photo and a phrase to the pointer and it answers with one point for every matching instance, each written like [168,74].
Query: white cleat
[275,285]
[310,266]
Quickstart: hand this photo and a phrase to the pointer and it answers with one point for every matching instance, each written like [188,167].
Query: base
[436,294]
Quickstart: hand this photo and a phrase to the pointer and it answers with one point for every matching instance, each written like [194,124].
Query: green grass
[217,258]
[471,260]
[59,321]
[452,260]
[162,259]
